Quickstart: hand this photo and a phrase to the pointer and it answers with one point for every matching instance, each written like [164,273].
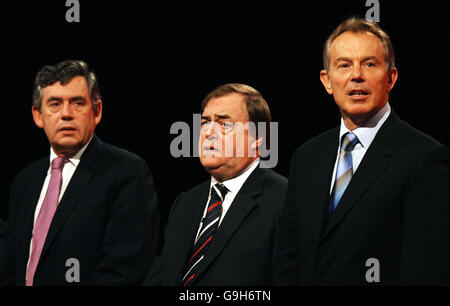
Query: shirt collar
[74,160]
[369,130]
[235,184]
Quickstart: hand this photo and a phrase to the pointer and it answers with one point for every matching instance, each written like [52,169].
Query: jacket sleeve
[8,243]
[131,235]
[425,231]
[287,256]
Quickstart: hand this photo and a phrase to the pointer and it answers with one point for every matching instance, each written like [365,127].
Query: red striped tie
[208,228]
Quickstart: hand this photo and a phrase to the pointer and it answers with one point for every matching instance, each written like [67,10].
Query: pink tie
[45,217]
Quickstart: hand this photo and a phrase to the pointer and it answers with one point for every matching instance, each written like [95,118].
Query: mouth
[358,93]
[67,129]
[209,148]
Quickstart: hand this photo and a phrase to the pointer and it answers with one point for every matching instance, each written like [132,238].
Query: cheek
[339,87]
[229,141]
[88,122]
[49,123]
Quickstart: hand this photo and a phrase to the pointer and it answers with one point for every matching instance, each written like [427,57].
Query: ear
[393,76]
[256,144]
[37,116]
[98,112]
[326,81]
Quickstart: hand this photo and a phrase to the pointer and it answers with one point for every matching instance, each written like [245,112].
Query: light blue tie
[344,171]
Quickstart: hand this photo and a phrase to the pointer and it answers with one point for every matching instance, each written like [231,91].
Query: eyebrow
[346,59]
[224,116]
[76,98]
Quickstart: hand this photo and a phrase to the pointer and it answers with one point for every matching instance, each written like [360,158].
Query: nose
[67,112]
[357,75]
[209,129]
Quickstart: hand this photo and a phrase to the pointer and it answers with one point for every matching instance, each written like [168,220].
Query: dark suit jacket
[395,210]
[107,220]
[2,234]
[241,252]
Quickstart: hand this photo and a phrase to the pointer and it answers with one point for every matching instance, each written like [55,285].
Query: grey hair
[355,24]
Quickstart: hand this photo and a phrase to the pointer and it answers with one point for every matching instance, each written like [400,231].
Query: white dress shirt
[233,185]
[67,172]
[365,134]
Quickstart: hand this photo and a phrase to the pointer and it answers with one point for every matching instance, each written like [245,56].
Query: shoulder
[266,183]
[117,154]
[196,191]
[416,150]
[101,155]
[414,139]
[319,142]
[30,171]
[274,180]
[189,199]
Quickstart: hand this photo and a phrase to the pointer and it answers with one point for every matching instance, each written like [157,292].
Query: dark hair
[63,72]
[257,107]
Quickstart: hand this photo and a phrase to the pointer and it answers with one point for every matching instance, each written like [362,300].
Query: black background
[156,60]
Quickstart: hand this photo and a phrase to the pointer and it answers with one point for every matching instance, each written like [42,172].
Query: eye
[227,124]
[370,64]
[79,102]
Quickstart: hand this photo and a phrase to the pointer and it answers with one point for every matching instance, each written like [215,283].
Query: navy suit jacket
[107,219]
[2,234]
[242,250]
[394,210]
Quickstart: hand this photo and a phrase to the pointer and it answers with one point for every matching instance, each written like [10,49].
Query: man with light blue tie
[367,202]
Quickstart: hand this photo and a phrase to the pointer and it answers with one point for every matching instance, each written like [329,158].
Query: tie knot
[220,190]
[349,142]
[59,162]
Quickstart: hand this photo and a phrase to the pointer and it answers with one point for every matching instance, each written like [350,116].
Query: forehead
[232,104]
[356,44]
[76,86]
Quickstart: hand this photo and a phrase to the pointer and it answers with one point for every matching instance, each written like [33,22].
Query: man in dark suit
[367,202]
[86,214]
[222,231]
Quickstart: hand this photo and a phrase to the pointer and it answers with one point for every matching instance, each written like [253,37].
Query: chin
[211,162]
[69,144]
[359,109]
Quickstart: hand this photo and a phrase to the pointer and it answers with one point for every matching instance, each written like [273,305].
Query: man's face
[358,78]
[67,116]
[224,137]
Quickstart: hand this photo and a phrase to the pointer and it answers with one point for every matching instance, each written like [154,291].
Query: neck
[222,177]
[354,123]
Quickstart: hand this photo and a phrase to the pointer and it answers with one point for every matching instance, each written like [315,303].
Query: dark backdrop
[155,61]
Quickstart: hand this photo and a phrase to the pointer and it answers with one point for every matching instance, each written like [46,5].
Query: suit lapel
[320,178]
[34,194]
[80,179]
[373,164]
[191,217]
[28,217]
[242,205]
